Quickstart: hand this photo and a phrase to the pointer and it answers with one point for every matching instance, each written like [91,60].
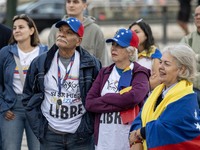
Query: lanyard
[66,75]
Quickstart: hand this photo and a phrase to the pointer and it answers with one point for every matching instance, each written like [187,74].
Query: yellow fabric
[127,89]
[148,54]
[126,69]
[148,114]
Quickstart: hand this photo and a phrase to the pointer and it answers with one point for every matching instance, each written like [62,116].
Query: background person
[148,54]
[170,117]
[184,15]
[193,41]
[93,39]
[14,62]
[118,93]
[56,85]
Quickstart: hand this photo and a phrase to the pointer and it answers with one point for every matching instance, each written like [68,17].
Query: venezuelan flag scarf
[152,53]
[125,80]
[148,114]
[124,85]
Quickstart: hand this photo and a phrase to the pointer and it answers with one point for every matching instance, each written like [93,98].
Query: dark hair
[147,31]
[34,37]
[84,1]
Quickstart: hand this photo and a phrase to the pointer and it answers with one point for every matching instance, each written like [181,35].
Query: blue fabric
[125,79]
[125,37]
[12,131]
[53,141]
[178,123]
[7,67]
[197,91]
[73,23]
[0,131]
[157,54]
[119,71]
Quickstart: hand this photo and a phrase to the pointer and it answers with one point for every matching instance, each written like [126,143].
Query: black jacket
[5,35]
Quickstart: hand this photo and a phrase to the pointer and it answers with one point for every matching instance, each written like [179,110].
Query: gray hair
[133,53]
[185,57]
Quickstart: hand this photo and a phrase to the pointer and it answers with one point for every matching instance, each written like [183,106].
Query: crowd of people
[66,96]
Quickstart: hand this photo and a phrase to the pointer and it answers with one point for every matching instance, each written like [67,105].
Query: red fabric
[129,115]
[187,145]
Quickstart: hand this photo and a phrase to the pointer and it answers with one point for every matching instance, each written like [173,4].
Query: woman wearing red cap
[118,91]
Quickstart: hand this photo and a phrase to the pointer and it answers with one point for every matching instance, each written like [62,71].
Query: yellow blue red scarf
[152,53]
[148,114]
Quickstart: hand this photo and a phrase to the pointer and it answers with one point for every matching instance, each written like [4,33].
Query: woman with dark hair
[15,60]
[148,54]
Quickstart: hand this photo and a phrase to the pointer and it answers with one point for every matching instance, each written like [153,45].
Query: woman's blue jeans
[12,131]
[0,131]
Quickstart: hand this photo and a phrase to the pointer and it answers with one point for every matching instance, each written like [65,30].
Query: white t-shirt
[113,134]
[63,112]
[25,60]
[145,62]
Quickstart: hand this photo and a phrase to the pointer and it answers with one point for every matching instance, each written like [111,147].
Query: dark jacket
[7,68]
[114,102]
[34,90]
[5,35]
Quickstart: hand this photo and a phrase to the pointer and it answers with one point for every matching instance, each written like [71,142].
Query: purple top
[114,102]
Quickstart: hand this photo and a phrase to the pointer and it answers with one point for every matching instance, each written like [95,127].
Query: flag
[129,115]
[178,127]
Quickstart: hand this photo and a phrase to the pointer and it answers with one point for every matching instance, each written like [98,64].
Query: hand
[134,138]
[138,134]
[9,115]
[154,81]
[137,146]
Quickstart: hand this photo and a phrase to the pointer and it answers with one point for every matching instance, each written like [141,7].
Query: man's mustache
[61,39]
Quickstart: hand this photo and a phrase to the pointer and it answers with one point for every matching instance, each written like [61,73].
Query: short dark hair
[34,37]
[84,1]
[147,30]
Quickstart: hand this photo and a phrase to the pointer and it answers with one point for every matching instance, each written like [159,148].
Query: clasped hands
[135,137]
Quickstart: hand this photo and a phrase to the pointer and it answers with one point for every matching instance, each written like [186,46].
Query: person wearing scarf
[118,93]
[149,55]
[170,117]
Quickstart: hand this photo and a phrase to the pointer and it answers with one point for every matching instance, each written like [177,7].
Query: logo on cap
[125,38]
[74,24]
